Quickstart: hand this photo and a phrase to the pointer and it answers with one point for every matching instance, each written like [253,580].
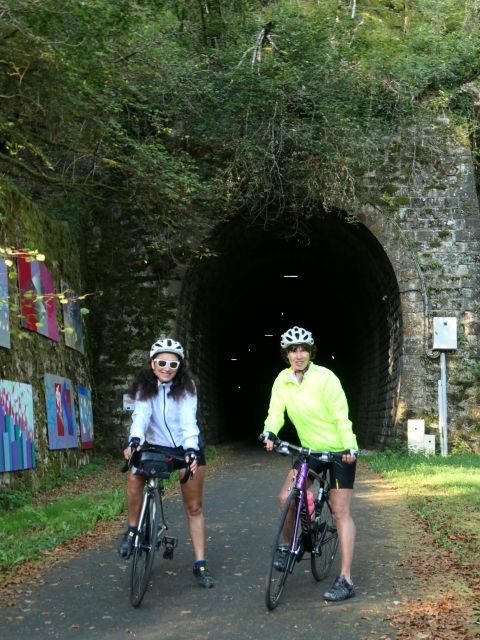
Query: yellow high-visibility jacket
[318,409]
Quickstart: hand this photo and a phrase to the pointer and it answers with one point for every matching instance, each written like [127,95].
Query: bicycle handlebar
[188,474]
[285,448]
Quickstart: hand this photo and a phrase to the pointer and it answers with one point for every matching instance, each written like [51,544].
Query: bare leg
[135,486]
[340,502]
[192,503]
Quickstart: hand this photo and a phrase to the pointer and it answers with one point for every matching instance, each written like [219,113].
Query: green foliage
[443,491]
[20,497]
[29,531]
[185,112]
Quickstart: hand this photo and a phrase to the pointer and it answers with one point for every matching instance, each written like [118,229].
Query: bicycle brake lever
[128,463]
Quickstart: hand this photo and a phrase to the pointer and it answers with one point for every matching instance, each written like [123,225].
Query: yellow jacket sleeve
[276,411]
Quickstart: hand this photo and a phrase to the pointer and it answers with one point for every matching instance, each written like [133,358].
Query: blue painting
[61,422]
[17,441]
[4,308]
[86,417]
[72,319]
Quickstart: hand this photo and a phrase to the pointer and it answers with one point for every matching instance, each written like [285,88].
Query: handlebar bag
[152,463]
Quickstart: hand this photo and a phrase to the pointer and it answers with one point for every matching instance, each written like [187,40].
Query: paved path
[87,597]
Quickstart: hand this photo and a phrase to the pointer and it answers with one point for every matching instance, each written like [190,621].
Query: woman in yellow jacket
[316,404]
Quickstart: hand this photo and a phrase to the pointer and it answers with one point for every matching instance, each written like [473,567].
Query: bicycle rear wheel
[325,543]
[282,556]
[144,551]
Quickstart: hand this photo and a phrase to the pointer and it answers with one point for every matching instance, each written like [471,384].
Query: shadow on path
[88,596]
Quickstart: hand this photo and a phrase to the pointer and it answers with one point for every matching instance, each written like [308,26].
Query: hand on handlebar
[127,451]
[350,458]
[269,445]
[191,459]
[268,440]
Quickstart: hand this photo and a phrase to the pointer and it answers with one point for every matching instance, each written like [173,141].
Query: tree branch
[41,177]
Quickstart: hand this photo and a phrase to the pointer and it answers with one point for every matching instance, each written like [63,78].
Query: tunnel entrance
[339,284]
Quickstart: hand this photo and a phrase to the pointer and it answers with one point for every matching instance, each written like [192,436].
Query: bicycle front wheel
[282,555]
[144,551]
[325,543]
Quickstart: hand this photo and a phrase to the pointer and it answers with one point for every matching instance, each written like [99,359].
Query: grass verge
[443,492]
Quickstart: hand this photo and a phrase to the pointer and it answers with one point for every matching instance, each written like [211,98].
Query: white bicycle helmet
[167,345]
[297,335]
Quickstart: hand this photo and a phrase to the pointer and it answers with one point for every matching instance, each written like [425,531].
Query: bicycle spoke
[325,542]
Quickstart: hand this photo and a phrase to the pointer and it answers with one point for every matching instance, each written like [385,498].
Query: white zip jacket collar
[165,422]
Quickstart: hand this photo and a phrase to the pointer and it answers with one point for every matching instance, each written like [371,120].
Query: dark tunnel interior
[339,284]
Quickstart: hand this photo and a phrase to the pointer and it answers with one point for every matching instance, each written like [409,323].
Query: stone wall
[22,225]
[424,210]
[413,255]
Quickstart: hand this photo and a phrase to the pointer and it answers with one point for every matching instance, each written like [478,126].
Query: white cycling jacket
[165,422]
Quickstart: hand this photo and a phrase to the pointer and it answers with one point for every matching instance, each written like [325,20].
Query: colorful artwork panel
[37,315]
[72,319]
[17,443]
[4,308]
[62,425]
[86,417]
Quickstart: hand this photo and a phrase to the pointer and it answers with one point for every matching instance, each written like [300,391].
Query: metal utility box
[429,445]
[416,435]
[444,333]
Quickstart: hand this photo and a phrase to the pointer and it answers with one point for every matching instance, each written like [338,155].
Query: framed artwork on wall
[4,307]
[72,319]
[17,442]
[61,422]
[38,315]
[86,417]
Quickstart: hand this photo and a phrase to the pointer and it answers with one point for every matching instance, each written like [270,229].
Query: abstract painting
[61,422]
[17,444]
[72,319]
[37,314]
[86,417]
[4,308]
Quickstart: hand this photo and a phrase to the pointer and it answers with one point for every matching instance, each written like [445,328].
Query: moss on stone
[23,225]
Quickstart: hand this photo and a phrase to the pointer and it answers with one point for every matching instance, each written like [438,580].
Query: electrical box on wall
[429,445]
[416,435]
[445,333]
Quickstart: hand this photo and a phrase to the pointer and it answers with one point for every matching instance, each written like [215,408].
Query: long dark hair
[145,383]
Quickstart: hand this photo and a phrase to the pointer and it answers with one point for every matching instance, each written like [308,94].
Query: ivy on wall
[188,112]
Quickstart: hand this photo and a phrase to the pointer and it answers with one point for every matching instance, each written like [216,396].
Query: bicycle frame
[303,528]
[153,484]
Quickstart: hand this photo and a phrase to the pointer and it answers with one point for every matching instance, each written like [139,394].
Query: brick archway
[347,293]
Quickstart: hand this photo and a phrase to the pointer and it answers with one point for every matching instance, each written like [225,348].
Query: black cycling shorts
[180,452]
[342,475]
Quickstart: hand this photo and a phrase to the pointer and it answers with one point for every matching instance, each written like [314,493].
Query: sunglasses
[171,364]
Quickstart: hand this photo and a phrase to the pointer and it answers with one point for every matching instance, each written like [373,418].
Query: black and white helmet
[167,345]
[297,335]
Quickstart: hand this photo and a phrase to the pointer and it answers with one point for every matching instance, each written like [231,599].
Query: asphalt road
[88,596]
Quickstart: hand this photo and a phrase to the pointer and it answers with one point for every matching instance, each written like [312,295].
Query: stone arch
[348,292]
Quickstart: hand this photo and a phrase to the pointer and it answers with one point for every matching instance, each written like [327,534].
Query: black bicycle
[298,531]
[151,525]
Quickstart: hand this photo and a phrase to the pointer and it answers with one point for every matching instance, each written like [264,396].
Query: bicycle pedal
[170,543]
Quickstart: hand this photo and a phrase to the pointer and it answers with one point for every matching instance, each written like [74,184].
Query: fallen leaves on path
[448,606]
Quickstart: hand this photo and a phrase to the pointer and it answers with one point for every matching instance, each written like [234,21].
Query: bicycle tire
[326,532]
[144,552]
[276,578]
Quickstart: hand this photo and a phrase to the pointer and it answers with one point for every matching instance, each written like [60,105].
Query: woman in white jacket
[165,415]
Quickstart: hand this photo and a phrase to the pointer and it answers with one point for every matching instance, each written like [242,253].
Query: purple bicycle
[298,531]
